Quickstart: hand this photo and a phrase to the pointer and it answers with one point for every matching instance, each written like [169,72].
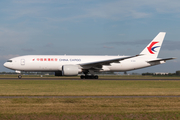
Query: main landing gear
[19,76]
[89,77]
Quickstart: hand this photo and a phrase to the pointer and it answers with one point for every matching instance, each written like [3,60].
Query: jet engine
[70,70]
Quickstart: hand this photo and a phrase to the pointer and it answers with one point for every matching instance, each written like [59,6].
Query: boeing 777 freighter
[68,65]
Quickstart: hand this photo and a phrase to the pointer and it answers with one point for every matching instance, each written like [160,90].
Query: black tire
[87,77]
[96,77]
[82,77]
[19,76]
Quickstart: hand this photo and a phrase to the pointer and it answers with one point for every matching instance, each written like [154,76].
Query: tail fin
[152,50]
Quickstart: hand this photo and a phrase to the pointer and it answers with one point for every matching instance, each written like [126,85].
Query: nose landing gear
[19,76]
[18,72]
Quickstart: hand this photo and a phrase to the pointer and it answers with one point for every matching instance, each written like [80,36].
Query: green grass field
[89,87]
[90,108]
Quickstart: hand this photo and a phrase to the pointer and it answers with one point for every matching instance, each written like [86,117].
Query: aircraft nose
[5,64]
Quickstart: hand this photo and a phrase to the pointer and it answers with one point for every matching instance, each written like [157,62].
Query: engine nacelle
[70,70]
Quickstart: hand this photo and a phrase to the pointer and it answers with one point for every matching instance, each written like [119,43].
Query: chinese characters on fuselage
[56,59]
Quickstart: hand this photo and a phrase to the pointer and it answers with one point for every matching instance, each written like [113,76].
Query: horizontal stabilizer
[158,60]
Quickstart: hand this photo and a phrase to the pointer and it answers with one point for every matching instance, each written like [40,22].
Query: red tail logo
[151,49]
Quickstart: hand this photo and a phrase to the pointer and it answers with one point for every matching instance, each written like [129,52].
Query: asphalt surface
[45,78]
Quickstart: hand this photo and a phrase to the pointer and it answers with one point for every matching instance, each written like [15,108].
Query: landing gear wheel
[82,77]
[95,77]
[89,77]
[19,76]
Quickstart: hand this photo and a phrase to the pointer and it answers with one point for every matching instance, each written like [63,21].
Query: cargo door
[22,61]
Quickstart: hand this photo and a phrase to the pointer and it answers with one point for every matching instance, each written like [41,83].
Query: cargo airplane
[68,65]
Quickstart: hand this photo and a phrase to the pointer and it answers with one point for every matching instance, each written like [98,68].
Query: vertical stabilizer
[152,50]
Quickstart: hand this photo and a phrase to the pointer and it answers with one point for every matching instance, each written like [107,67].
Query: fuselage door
[22,61]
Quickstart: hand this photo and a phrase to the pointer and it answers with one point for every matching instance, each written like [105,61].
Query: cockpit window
[9,61]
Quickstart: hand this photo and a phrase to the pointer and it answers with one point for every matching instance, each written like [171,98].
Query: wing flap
[107,62]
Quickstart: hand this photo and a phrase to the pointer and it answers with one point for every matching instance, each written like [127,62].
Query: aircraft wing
[98,64]
[158,60]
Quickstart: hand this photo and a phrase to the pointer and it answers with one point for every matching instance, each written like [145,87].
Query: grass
[89,108]
[88,87]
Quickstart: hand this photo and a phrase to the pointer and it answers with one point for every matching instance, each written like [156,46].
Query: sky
[89,27]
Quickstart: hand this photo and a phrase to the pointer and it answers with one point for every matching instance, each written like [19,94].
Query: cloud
[42,1]
[137,42]
[27,49]
[46,10]
[31,1]
[6,57]
[167,45]
[118,10]
[108,47]
[171,45]
[123,9]
[12,36]
[49,45]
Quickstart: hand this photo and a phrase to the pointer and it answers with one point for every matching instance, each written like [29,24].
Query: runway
[45,78]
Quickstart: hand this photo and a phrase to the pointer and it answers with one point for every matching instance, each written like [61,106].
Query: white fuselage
[55,62]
